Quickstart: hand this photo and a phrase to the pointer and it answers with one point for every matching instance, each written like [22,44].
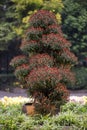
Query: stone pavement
[78,93]
[23,93]
[10,94]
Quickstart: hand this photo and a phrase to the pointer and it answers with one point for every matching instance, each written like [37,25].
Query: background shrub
[81,78]
[6,81]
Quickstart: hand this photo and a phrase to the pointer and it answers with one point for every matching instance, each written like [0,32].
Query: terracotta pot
[28,108]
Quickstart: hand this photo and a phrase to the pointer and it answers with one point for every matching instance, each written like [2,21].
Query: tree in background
[74,25]
[83,3]
[45,66]
[15,14]
[7,34]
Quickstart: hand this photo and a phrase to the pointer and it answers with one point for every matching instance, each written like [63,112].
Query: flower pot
[28,108]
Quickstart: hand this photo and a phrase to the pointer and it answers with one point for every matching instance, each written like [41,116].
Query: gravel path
[9,94]
[78,93]
[23,93]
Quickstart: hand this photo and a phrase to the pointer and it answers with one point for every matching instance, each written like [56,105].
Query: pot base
[29,109]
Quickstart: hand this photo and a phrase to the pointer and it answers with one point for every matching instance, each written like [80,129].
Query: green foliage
[68,118]
[6,36]
[23,5]
[83,3]
[81,78]
[53,5]
[11,118]
[74,25]
[76,108]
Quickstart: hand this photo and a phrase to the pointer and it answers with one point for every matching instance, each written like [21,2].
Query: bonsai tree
[45,66]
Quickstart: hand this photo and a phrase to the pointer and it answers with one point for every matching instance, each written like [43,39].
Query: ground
[20,92]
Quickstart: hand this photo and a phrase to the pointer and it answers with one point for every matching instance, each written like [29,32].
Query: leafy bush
[49,61]
[68,119]
[74,17]
[81,78]
[74,107]
[18,60]
[12,118]
[21,72]
[41,60]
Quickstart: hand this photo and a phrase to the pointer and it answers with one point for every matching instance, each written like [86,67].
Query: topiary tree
[45,68]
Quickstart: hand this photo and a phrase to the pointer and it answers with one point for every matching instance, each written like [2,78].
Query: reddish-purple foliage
[43,74]
[68,55]
[55,41]
[41,60]
[29,45]
[61,94]
[18,60]
[49,61]
[34,31]
[54,29]
[42,18]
